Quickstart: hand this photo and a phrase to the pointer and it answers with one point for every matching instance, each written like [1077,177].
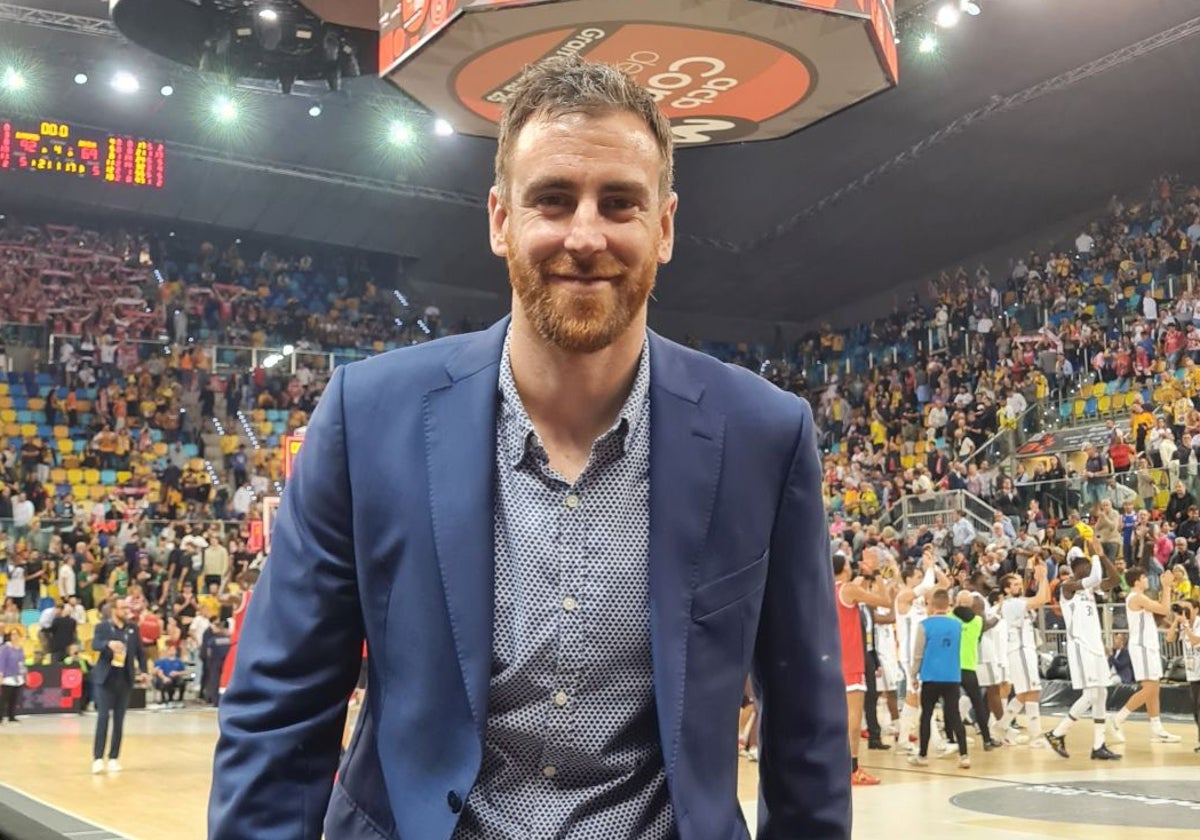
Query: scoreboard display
[57,149]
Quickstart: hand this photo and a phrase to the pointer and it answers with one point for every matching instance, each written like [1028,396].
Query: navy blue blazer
[107,632]
[385,532]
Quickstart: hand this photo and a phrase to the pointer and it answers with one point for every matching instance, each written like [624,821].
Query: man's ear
[666,244]
[497,222]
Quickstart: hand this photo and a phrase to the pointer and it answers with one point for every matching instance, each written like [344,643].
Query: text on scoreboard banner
[62,149]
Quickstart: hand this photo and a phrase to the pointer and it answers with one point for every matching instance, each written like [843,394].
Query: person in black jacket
[120,647]
[1178,504]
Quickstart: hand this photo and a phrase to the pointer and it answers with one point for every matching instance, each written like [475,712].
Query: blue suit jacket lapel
[686,447]
[460,446]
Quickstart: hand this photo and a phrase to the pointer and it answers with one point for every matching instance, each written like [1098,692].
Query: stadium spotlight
[269,15]
[125,82]
[225,109]
[442,128]
[927,44]
[314,111]
[81,78]
[399,134]
[167,90]
[969,7]
[948,16]
[13,79]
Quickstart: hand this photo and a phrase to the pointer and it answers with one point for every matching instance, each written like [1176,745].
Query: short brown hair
[569,85]
[940,599]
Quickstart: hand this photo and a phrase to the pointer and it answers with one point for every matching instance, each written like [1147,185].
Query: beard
[580,321]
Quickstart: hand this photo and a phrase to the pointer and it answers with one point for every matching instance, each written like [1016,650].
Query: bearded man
[565,540]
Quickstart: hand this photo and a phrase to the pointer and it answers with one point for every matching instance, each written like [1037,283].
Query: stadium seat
[124,476]
[108,477]
[1090,408]
[61,432]
[6,404]
[24,417]
[1104,404]
[58,475]
[28,430]
[75,476]
[36,404]
[1064,411]
[91,476]
[65,445]
[1080,405]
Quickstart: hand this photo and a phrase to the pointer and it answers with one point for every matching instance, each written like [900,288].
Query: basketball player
[1187,626]
[938,666]
[1145,653]
[1018,613]
[1085,648]
[849,594]
[993,663]
[910,610]
[889,658]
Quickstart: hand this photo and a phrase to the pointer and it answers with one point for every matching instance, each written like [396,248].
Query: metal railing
[1113,621]
[911,512]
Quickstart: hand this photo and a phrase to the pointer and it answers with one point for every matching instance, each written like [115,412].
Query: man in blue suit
[565,540]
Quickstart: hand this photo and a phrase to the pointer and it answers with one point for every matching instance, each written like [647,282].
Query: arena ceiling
[1031,113]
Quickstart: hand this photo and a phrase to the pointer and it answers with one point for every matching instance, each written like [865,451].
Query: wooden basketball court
[1153,794]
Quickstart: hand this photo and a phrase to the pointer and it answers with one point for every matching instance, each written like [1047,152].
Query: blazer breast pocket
[716,595]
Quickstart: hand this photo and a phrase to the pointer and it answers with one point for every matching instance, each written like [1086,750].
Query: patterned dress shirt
[572,749]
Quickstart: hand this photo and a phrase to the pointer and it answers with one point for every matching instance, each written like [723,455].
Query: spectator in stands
[1178,504]
[62,630]
[1119,661]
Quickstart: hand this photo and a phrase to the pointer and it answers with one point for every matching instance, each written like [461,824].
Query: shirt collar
[520,438]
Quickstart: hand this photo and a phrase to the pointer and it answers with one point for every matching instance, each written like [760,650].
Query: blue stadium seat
[1064,411]
[108,477]
[24,416]
[191,450]
[1090,408]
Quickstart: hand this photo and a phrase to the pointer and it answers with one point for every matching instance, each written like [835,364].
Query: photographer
[1186,625]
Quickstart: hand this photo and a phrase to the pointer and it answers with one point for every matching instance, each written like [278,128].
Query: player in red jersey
[246,580]
[850,593]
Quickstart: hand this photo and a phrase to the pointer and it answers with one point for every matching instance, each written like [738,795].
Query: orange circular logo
[709,83]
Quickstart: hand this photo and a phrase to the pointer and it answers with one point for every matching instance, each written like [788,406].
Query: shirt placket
[569,663]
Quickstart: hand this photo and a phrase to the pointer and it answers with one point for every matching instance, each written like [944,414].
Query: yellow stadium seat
[75,476]
[1080,406]
[29,430]
[160,449]
[12,430]
[58,475]
[65,445]
[265,429]
[61,432]
[1104,404]
[196,464]
[124,476]
[1131,398]
[908,461]
[4,388]
[84,406]
[258,415]
[6,404]
[80,492]
[36,404]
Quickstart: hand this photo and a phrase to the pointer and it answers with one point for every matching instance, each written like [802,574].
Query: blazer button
[454,801]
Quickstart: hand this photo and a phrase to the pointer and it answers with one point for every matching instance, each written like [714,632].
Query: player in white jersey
[1145,653]
[1018,612]
[910,611]
[1085,648]
[993,661]
[1186,627]
[888,652]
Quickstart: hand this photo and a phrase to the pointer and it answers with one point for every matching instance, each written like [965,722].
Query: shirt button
[561,699]
[570,604]
[454,801]
[572,501]
[549,771]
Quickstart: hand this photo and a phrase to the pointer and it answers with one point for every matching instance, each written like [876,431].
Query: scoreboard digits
[57,148]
